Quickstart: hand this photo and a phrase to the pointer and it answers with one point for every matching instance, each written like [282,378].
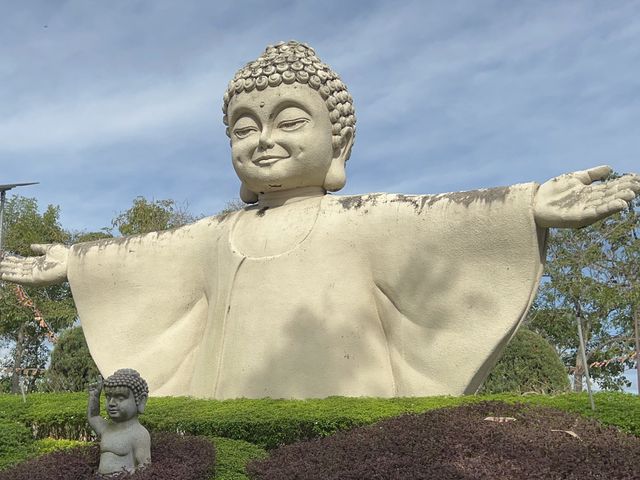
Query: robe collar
[276,199]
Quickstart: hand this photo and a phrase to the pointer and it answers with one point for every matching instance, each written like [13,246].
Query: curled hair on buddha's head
[130,378]
[297,62]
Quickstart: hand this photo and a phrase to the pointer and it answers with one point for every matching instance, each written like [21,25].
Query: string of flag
[25,301]
[621,359]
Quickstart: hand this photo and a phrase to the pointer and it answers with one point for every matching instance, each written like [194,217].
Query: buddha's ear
[246,195]
[142,402]
[336,176]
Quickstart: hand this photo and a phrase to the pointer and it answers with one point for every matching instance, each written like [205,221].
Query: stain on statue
[308,294]
[125,445]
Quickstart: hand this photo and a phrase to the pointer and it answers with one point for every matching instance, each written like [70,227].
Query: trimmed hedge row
[268,423]
[16,443]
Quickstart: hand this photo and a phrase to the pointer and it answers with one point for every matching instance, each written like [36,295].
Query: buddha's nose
[265,142]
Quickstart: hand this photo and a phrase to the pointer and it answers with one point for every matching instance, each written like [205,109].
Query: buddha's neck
[276,199]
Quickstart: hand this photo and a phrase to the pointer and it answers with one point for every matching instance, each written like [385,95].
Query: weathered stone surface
[125,445]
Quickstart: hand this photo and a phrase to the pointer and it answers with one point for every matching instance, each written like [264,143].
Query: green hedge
[268,423]
[48,445]
[16,443]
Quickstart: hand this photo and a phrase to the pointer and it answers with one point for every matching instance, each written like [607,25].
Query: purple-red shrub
[174,457]
[458,443]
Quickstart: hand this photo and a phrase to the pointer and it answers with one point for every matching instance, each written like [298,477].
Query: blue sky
[105,101]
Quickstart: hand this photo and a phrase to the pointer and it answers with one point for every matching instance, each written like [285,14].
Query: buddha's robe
[387,295]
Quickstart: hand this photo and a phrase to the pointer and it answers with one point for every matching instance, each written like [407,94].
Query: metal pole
[3,197]
[584,362]
[23,390]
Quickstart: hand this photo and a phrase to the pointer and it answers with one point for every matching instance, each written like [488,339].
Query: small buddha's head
[126,393]
[291,122]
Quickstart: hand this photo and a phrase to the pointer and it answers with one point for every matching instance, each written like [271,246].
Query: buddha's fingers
[612,206]
[17,277]
[620,188]
[626,182]
[599,173]
[626,195]
[610,191]
[9,257]
[18,269]
[633,181]
[9,277]
[10,264]
[591,175]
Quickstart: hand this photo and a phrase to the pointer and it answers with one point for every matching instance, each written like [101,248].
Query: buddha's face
[280,138]
[121,404]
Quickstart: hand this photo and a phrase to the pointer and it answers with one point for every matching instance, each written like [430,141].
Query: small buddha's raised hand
[96,387]
[573,200]
[48,269]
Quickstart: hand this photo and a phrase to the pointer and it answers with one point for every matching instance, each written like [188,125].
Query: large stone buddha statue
[307,294]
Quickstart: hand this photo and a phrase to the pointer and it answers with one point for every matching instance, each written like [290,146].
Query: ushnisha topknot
[128,377]
[297,62]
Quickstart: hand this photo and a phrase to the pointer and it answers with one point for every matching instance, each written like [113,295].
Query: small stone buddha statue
[125,445]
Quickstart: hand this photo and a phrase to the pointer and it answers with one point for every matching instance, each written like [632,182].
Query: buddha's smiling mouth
[265,161]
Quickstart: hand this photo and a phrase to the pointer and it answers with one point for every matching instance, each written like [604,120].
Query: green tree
[232,206]
[72,368]
[592,274]
[529,364]
[79,237]
[151,216]
[19,331]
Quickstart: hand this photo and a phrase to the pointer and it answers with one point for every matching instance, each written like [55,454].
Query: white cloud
[103,118]
[113,101]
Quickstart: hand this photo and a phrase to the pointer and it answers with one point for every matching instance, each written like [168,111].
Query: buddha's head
[291,122]
[126,393]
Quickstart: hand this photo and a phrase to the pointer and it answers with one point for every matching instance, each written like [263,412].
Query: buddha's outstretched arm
[47,269]
[573,200]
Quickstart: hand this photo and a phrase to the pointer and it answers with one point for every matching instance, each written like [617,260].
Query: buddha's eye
[244,132]
[294,124]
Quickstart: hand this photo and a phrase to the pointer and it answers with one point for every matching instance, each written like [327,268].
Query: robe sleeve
[454,275]
[142,301]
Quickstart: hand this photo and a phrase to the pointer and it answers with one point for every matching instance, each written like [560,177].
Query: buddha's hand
[96,387]
[573,200]
[48,269]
